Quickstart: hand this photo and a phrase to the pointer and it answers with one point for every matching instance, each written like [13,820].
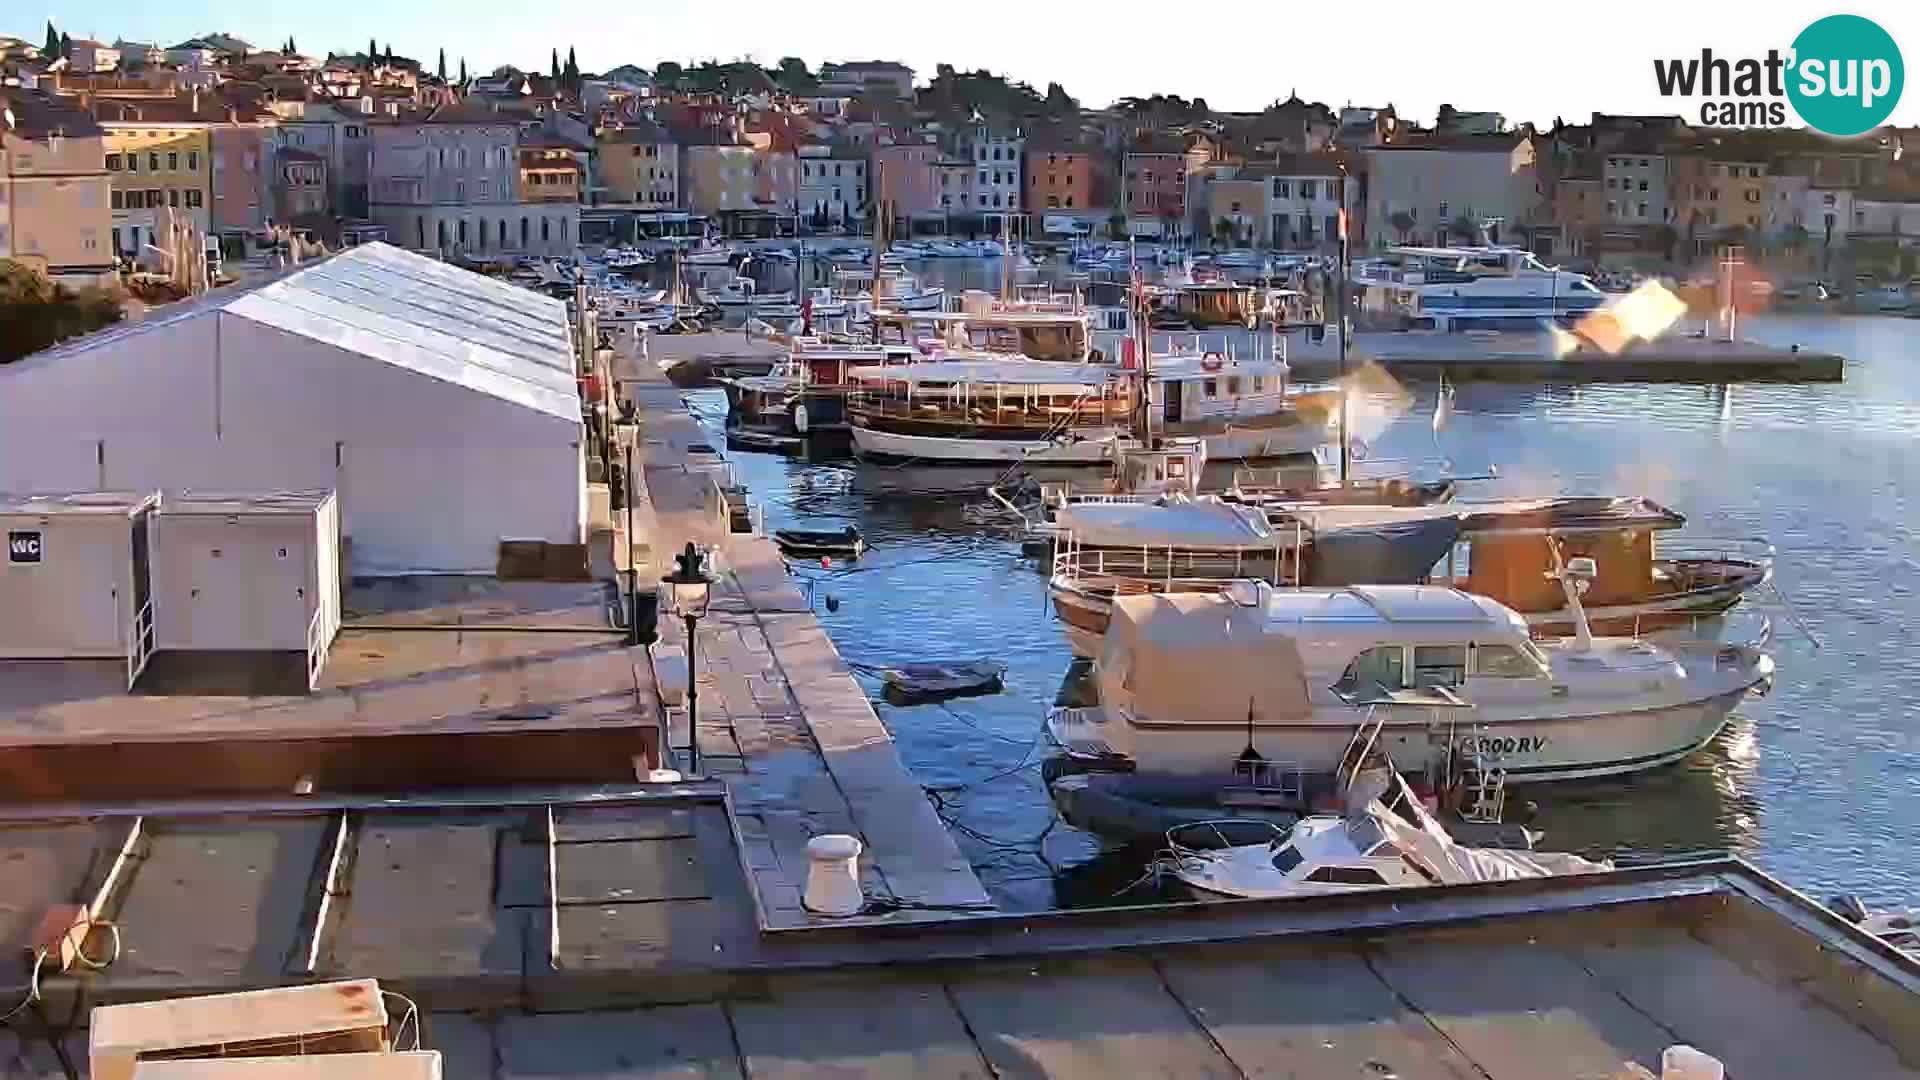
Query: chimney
[196,100]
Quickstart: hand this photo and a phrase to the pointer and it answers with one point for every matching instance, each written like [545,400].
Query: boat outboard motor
[1848,907]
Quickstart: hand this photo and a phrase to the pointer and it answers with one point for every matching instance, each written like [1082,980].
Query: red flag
[1343,224]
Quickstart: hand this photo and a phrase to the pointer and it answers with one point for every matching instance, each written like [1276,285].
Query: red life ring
[1211,362]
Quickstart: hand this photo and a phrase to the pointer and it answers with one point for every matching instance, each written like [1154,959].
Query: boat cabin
[1215,303]
[1038,333]
[981,396]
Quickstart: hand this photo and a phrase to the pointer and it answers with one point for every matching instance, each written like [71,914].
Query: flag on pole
[1343,224]
[1442,406]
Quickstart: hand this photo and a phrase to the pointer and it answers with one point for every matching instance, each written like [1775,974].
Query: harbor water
[1818,782]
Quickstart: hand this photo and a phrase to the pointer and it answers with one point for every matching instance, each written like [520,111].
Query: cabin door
[1174,391]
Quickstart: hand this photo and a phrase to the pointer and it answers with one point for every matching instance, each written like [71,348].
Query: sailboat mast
[1346,451]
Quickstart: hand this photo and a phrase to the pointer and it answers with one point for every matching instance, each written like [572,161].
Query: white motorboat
[824,305]
[1472,288]
[950,249]
[1386,840]
[626,258]
[1290,673]
[742,292]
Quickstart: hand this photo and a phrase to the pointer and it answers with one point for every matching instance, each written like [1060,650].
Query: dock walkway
[782,721]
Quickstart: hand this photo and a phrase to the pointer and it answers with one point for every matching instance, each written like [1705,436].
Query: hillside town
[106,146]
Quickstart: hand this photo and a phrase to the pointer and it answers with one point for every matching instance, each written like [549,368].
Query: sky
[1529,60]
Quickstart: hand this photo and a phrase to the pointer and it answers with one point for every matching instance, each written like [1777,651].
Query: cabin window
[1285,859]
[1502,662]
[1382,667]
[1213,388]
[1439,665]
[1346,875]
[1259,384]
[1233,386]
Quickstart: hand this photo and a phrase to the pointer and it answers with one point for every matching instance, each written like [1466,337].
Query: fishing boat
[741,292]
[1643,584]
[718,255]
[892,289]
[626,258]
[1472,288]
[1011,410]
[804,395]
[1211,303]
[1291,673]
[1056,327]
[1385,839]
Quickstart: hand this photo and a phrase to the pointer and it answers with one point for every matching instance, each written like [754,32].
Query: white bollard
[833,876]
[663,776]
[1683,1062]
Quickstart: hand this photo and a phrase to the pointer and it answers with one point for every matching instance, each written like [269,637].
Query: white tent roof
[402,309]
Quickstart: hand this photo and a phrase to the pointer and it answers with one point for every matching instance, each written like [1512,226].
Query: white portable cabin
[75,581]
[248,573]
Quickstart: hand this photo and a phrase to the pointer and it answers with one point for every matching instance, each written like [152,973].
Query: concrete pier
[782,722]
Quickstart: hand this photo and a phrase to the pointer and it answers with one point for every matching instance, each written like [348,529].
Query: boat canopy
[1069,378]
[1199,658]
[1394,550]
[1576,513]
[1184,524]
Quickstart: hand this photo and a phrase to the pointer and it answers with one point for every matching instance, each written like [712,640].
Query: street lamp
[626,433]
[689,588]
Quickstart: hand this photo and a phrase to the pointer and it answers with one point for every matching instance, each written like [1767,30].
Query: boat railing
[1170,568]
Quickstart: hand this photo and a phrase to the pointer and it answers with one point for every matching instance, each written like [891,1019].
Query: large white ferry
[1471,288]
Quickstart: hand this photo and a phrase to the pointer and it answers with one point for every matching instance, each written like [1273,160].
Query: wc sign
[25,547]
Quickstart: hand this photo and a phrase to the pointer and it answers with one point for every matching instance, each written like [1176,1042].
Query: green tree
[52,48]
[571,73]
[667,76]
[1059,102]
[36,314]
[389,54]
[463,71]
[554,73]
[66,46]
[373,54]
[1464,228]
[291,47]
[441,68]
[1402,222]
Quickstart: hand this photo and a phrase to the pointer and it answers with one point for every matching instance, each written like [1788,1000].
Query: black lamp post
[625,434]
[689,590]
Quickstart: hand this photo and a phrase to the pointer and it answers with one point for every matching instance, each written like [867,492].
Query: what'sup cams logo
[1843,76]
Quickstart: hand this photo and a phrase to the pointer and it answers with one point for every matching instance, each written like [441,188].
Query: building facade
[905,181]
[1303,204]
[997,157]
[449,185]
[161,169]
[90,55]
[716,178]
[241,180]
[54,188]
[1153,192]
[1429,191]
[868,77]
[1060,183]
[638,165]
[1635,188]
[833,185]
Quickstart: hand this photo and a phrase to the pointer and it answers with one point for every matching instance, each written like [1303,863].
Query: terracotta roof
[469,111]
[640,130]
[37,114]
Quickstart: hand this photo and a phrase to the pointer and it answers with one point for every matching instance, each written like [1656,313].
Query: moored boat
[1290,673]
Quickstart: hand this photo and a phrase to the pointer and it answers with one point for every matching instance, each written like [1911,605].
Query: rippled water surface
[1818,783]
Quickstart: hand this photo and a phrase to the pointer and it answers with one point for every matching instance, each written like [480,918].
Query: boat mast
[1345,388]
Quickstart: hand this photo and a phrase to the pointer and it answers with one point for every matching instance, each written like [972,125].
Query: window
[1502,662]
[1346,875]
[113,162]
[1610,183]
[1443,211]
[1213,388]
[1286,858]
[194,198]
[173,196]
[153,161]
[1643,185]
[1053,202]
[1439,665]
[1611,204]
[119,201]
[1233,386]
[193,161]
[1379,668]
[1307,189]
[1069,202]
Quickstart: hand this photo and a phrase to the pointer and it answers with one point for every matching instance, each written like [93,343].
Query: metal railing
[316,647]
[140,648]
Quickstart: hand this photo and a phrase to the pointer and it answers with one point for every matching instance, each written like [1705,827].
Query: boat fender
[800,417]
[1357,448]
[1211,361]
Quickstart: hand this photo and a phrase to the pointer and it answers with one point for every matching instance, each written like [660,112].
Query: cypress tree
[556,65]
[441,70]
[52,48]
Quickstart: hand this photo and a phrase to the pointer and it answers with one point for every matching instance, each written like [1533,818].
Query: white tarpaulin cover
[1185,524]
[440,404]
[1199,658]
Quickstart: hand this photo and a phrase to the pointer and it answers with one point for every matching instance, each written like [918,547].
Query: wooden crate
[320,1018]
[409,1065]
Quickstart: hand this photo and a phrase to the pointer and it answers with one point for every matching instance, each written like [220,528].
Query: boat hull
[1534,749]
[943,450]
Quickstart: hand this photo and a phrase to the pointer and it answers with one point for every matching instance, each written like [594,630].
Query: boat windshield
[1286,857]
[1365,833]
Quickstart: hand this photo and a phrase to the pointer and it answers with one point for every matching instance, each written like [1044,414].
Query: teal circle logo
[1846,75]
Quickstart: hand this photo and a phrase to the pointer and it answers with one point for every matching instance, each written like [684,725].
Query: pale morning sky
[1529,60]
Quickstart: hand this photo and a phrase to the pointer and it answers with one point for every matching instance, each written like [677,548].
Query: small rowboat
[936,680]
[846,543]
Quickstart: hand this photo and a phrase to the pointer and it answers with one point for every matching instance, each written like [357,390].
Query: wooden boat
[1641,587]
[845,543]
